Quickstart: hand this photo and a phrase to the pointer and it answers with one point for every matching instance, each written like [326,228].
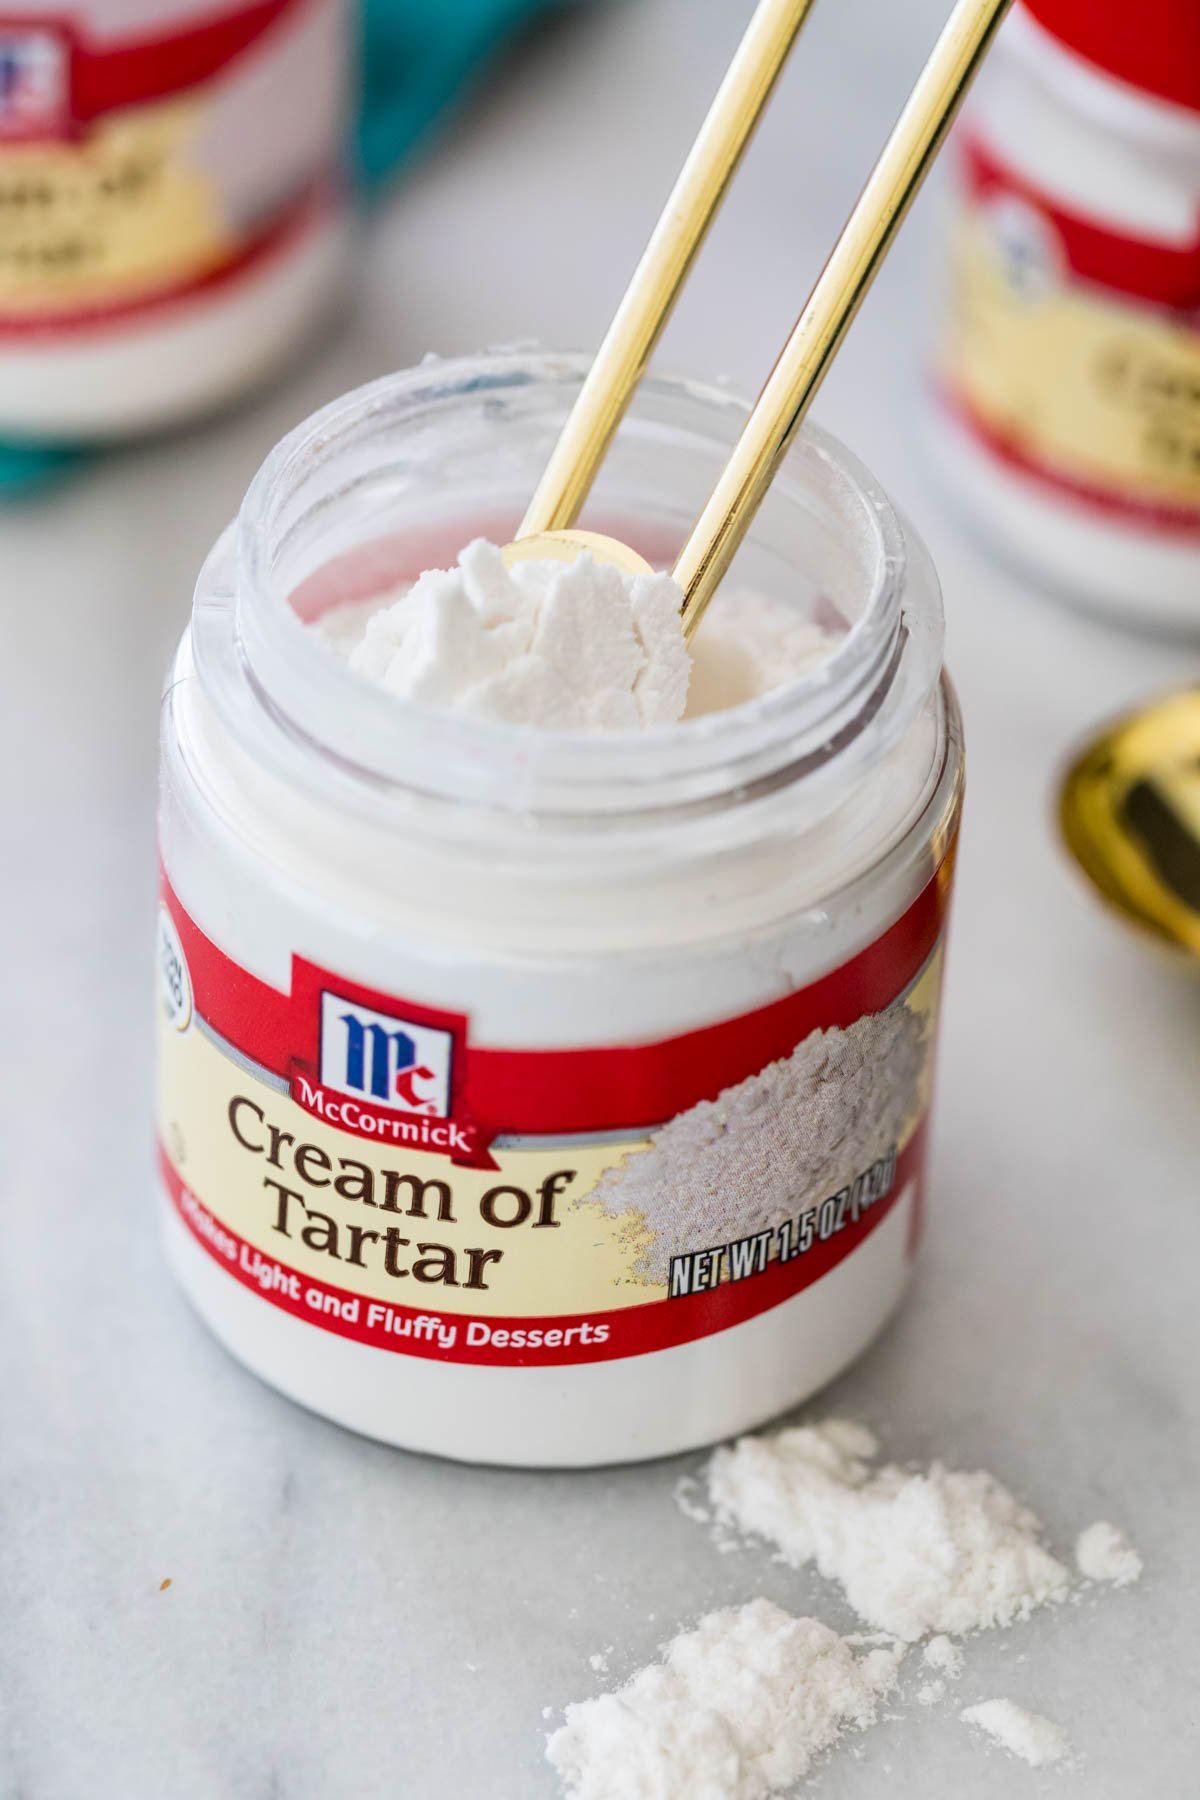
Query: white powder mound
[943,1654]
[559,645]
[1102,1553]
[943,1551]
[736,1710]
[749,645]
[1029,1735]
[782,1140]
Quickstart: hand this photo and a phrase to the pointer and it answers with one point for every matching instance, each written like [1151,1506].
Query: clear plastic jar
[1069,360]
[432,988]
[173,206]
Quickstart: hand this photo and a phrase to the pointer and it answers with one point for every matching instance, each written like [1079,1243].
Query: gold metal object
[834,302]
[565,546]
[818,332]
[622,358]
[1130,814]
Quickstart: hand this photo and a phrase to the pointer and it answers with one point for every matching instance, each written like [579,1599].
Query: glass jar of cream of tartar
[548,1097]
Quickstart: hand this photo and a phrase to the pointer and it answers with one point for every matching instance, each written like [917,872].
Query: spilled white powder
[686,1491]
[930,1692]
[942,1653]
[1026,1734]
[783,1140]
[944,1550]
[560,645]
[737,1709]
[1102,1553]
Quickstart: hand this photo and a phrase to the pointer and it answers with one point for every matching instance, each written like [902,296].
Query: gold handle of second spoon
[831,307]
[629,342]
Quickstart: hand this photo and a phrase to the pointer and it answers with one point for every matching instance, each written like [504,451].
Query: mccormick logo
[390,1063]
[35,83]
[384,1075]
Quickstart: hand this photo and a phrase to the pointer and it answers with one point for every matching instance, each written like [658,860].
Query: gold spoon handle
[834,301]
[668,257]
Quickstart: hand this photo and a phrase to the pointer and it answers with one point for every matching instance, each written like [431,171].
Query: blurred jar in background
[1069,369]
[173,212]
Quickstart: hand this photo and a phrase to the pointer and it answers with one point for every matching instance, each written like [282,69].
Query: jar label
[139,169]
[1073,353]
[363,1162]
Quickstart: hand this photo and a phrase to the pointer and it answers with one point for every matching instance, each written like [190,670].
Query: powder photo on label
[802,1129]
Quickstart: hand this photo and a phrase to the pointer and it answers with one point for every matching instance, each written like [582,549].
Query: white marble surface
[347,1621]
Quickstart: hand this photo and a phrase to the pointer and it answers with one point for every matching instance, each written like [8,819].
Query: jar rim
[248,637]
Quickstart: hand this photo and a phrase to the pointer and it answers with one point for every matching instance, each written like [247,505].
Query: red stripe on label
[1156,273]
[632,1331]
[559,1092]
[1169,517]
[143,69]
[1154,45]
[134,71]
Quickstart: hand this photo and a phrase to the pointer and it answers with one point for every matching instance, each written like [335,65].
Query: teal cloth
[417,56]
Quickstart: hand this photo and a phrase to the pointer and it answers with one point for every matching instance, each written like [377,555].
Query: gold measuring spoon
[1130,813]
[781,407]
[628,345]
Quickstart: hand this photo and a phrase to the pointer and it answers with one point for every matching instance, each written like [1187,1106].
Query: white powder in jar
[567,645]
[944,1550]
[787,1138]
[1029,1735]
[1102,1553]
[737,1709]
[555,644]
[746,645]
